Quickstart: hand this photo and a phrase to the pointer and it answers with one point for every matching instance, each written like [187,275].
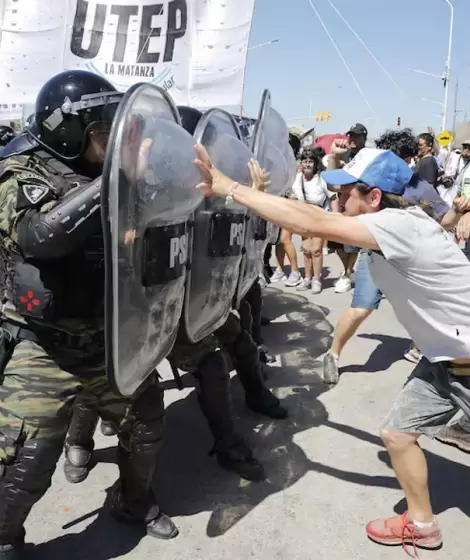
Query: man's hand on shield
[215,183]
[260,178]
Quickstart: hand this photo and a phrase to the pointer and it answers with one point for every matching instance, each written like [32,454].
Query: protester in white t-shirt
[456,178]
[426,279]
[310,188]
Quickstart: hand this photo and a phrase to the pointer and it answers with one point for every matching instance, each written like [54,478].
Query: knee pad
[148,420]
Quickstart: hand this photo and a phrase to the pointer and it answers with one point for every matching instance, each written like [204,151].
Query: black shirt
[428,170]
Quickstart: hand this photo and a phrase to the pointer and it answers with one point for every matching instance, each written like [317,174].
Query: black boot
[265,356]
[108,429]
[12,552]
[22,484]
[233,454]
[245,356]
[138,450]
[214,398]
[79,444]
[160,526]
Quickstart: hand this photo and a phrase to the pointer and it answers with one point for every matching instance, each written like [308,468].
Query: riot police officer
[52,289]
[209,366]
[6,135]
[207,362]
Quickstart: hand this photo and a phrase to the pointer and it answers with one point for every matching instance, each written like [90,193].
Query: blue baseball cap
[375,168]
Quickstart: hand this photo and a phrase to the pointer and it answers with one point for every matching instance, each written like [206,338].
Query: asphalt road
[328,472]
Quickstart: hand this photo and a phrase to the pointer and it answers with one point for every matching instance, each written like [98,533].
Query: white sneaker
[343,285]
[278,276]
[295,278]
[305,285]
[262,282]
[316,286]
[330,369]
[413,355]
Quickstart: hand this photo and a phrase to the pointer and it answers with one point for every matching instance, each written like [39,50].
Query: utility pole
[456,110]
[447,70]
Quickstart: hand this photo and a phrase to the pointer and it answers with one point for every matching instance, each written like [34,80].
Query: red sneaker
[399,530]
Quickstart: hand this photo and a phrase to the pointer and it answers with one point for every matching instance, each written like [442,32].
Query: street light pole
[456,110]
[272,42]
[447,70]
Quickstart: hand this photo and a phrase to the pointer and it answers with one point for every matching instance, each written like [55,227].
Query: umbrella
[326,140]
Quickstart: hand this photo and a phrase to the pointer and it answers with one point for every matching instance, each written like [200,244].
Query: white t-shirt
[426,278]
[316,191]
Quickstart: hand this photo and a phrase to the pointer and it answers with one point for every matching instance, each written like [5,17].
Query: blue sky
[402,34]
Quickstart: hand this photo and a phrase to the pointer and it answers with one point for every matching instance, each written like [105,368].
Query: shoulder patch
[33,189]
[34,193]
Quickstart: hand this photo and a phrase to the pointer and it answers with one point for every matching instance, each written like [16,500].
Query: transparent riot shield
[148,201]
[219,231]
[271,149]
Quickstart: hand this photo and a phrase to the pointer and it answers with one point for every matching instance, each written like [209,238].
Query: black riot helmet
[190,118]
[30,121]
[6,134]
[69,107]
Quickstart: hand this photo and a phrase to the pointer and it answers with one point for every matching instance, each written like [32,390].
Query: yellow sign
[323,116]
[445,138]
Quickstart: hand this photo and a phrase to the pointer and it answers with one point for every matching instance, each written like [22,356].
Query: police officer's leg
[246,318]
[255,298]
[36,398]
[139,423]
[214,398]
[251,320]
[79,444]
[245,356]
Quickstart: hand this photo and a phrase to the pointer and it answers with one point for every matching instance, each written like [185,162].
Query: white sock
[422,525]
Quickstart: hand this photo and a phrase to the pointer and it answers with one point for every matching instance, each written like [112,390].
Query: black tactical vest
[71,287]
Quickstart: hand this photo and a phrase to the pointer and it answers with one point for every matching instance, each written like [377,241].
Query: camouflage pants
[36,400]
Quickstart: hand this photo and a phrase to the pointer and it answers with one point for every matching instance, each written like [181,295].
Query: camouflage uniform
[50,363]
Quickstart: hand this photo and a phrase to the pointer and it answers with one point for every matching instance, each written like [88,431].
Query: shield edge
[201,125]
[197,135]
[116,129]
[264,106]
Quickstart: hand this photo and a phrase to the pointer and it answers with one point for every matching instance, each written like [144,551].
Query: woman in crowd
[310,188]
[427,167]
[285,245]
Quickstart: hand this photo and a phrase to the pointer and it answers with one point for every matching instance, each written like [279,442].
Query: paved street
[328,473]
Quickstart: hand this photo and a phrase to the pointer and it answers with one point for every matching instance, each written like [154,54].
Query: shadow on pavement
[188,480]
[389,351]
[447,478]
[204,486]
[103,539]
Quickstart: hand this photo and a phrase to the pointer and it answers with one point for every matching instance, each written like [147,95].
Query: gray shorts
[429,400]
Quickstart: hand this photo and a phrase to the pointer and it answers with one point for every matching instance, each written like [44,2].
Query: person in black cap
[357,136]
